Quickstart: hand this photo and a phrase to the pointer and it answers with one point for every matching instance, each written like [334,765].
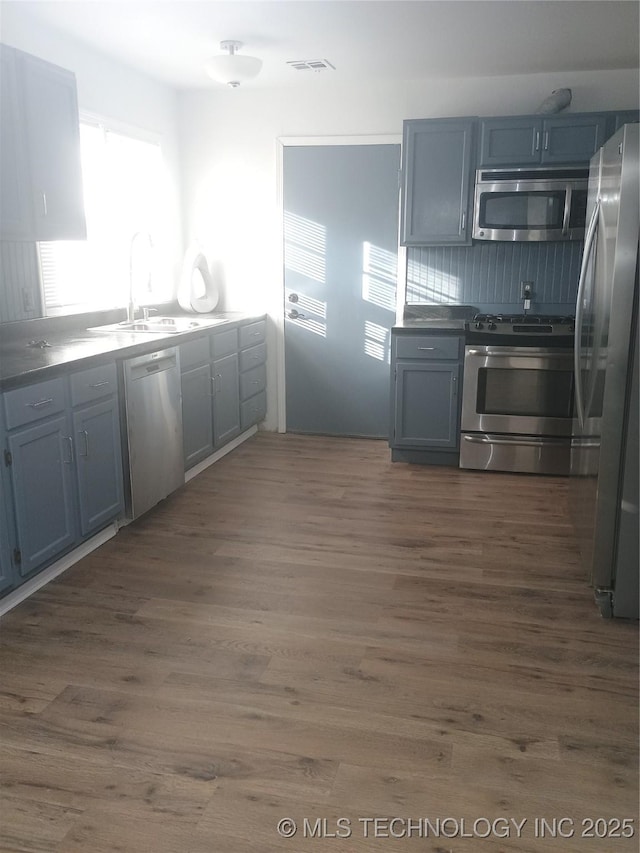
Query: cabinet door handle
[45,210]
[85,434]
[69,461]
[427,349]
[463,221]
[39,403]
[100,384]
[546,140]
[537,148]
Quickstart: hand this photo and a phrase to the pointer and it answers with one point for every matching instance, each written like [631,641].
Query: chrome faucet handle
[146,310]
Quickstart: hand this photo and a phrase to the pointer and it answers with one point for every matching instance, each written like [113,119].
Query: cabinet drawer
[253,381]
[224,343]
[253,411]
[252,357]
[93,384]
[25,405]
[194,353]
[253,333]
[436,347]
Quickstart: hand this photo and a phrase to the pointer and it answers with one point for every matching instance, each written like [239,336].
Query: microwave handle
[567,210]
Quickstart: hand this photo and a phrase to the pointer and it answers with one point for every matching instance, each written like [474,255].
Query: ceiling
[365,40]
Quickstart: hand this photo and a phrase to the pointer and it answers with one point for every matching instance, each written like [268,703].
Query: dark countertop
[443,318]
[20,363]
[440,324]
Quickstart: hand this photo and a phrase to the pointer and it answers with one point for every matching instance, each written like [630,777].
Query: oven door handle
[567,210]
[523,352]
[589,244]
[525,442]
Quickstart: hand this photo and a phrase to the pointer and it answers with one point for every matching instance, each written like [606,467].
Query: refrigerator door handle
[589,244]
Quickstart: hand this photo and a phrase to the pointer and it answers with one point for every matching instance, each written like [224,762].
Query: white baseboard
[57,568]
[202,466]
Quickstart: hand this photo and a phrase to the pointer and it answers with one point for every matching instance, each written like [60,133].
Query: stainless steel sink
[162,325]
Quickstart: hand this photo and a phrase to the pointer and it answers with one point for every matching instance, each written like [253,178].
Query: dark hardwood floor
[307,631]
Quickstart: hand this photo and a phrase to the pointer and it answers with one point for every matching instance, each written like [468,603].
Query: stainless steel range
[517,400]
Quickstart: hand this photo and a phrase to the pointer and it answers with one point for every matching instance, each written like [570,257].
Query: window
[126,191]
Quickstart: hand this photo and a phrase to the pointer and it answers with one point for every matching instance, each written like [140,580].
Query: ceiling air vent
[311,65]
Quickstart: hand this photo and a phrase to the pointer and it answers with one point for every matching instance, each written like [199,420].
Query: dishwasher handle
[150,365]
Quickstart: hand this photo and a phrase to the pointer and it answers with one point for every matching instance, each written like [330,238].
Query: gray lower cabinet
[226,399]
[7,575]
[426,402]
[223,388]
[425,398]
[253,374]
[63,464]
[96,430]
[197,422]
[437,181]
[97,446]
[42,486]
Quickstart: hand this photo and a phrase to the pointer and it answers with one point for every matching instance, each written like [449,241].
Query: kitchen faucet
[132,306]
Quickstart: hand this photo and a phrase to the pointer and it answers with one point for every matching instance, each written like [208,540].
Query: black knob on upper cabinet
[479,325]
[492,327]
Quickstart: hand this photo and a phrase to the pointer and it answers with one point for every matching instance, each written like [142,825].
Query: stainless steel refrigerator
[604,452]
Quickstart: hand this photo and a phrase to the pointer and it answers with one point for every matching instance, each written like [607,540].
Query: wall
[105,88]
[230,156]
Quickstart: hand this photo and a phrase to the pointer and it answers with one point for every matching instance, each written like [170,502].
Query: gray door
[341,239]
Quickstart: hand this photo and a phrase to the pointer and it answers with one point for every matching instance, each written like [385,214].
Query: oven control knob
[492,327]
[479,325]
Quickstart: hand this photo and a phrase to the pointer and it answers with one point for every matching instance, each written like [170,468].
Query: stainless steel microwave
[530,204]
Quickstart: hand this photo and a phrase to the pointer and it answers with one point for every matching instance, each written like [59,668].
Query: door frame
[283,142]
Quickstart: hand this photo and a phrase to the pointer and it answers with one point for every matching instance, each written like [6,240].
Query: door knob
[295,315]
[293,297]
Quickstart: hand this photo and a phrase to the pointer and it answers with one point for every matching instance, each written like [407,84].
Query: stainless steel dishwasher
[153,428]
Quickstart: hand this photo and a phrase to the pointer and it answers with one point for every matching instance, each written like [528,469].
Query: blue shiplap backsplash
[488,275]
[19,282]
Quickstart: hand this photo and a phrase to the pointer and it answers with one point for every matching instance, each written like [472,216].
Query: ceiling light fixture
[230,68]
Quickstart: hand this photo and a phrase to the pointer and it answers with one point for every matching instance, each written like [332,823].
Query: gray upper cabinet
[626,117]
[510,141]
[41,145]
[437,182]
[16,221]
[572,139]
[531,140]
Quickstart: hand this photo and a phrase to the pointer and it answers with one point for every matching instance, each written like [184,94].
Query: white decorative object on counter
[197,291]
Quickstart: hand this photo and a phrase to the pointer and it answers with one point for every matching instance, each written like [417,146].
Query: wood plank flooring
[307,631]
